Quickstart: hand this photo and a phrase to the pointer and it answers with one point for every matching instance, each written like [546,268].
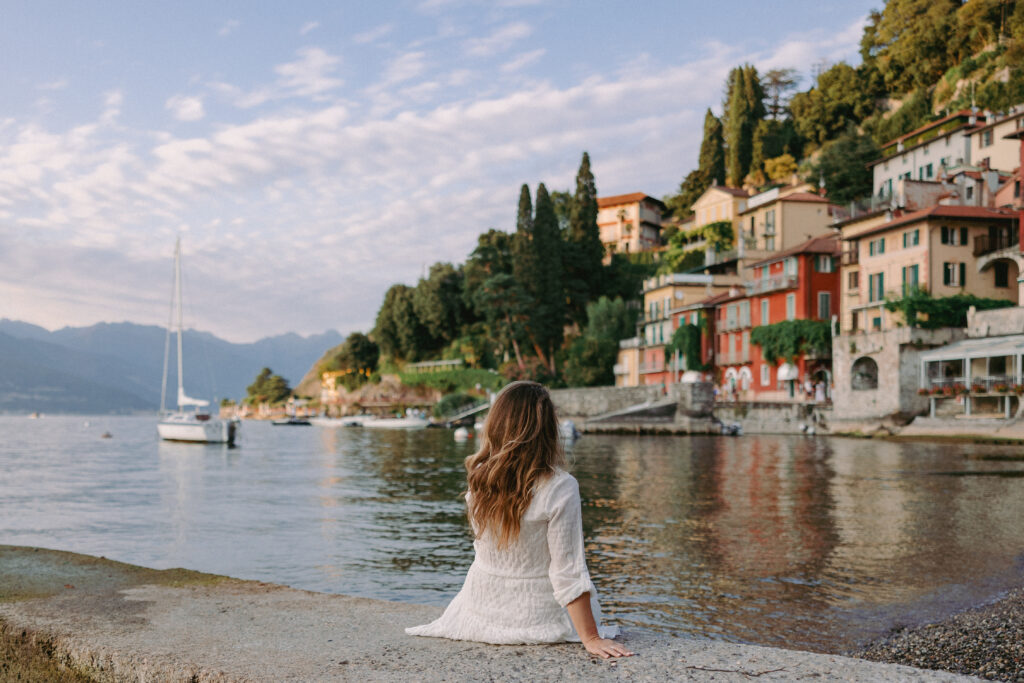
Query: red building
[801,283]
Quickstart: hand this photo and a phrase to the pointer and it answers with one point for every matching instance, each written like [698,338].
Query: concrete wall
[896,353]
[592,401]
[996,322]
[776,418]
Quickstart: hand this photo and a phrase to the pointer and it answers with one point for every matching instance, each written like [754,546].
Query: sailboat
[196,425]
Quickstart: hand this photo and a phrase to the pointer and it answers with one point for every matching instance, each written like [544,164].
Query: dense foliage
[591,356]
[743,108]
[268,388]
[921,309]
[686,340]
[789,339]
[461,380]
[842,166]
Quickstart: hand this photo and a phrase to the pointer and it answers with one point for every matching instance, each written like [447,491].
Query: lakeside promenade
[110,621]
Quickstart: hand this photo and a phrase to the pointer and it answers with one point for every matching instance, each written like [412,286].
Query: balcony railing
[646,368]
[771,284]
[620,369]
[851,257]
[986,244]
[631,343]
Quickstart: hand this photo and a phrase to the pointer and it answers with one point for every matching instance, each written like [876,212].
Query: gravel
[986,641]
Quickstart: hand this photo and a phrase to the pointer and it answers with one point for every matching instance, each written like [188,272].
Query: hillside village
[944,219]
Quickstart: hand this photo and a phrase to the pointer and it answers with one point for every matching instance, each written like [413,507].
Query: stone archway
[864,374]
[1013,261]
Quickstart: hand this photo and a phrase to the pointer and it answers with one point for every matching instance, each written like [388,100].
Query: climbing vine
[687,341]
[921,309]
[790,338]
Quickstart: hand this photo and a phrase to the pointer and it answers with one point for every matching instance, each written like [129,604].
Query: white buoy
[461,434]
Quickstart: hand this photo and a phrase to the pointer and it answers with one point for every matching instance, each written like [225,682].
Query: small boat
[347,421]
[567,430]
[197,426]
[292,421]
[407,422]
[461,434]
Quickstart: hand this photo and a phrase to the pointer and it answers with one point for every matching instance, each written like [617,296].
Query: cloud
[405,67]
[501,40]
[58,84]
[522,61]
[311,74]
[309,26]
[112,102]
[373,35]
[186,108]
[229,27]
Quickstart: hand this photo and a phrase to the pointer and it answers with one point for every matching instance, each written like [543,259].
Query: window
[928,171]
[1016,184]
[744,314]
[876,247]
[853,280]
[969,192]
[764,272]
[693,318]
[791,266]
[910,278]
[824,305]
[954,274]
[864,374]
[876,322]
[911,238]
[876,287]
[986,138]
[769,222]
[765,312]
[791,307]
[1002,272]
[766,375]
[906,176]
[730,316]
[769,244]
[824,264]
[952,236]
[745,346]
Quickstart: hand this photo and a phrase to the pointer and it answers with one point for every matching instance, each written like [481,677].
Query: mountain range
[117,367]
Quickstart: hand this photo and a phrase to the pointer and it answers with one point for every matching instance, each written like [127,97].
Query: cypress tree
[744,108]
[522,249]
[583,251]
[548,319]
[712,151]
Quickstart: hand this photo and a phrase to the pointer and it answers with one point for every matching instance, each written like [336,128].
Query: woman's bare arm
[586,628]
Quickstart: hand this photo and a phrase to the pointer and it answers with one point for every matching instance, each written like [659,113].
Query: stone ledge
[110,621]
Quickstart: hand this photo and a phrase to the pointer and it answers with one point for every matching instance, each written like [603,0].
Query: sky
[311,154]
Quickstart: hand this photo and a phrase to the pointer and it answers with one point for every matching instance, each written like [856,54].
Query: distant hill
[116,367]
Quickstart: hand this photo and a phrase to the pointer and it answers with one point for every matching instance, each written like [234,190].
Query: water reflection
[807,542]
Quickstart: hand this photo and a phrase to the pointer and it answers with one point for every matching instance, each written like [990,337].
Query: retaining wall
[587,402]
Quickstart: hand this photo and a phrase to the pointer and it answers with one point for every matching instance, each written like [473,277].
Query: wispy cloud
[309,26]
[499,41]
[186,108]
[312,74]
[58,84]
[373,35]
[522,61]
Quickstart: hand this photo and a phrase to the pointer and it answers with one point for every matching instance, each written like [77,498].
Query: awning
[788,372]
[984,347]
[691,377]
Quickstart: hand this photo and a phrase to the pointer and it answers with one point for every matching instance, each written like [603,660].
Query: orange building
[630,223]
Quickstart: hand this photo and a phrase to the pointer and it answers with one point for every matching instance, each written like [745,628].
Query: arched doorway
[864,374]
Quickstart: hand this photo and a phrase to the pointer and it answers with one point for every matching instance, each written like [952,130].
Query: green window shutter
[903,271]
[963,274]
[945,235]
[963,236]
[945,273]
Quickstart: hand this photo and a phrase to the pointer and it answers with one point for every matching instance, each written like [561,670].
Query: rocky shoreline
[985,641]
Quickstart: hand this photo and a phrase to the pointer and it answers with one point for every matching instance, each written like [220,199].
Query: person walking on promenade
[529,581]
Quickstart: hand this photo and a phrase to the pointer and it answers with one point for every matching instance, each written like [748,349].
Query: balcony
[771,284]
[851,257]
[986,244]
[631,343]
[620,369]
[647,368]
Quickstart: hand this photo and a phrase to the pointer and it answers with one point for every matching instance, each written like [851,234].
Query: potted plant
[1001,388]
[924,392]
[961,389]
[978,389]
[1018,389]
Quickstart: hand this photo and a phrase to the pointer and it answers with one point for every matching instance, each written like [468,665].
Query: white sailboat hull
[184,427]
[397,423]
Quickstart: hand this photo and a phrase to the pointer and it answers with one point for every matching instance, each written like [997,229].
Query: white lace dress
[518,595]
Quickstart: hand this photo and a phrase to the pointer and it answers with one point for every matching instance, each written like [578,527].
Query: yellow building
[719,203]
[630,223]
[945,249]
[780,219]
[989,146]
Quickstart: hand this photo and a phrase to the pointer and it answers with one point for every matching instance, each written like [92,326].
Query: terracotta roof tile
[942,211]
[631,198]
[816,245]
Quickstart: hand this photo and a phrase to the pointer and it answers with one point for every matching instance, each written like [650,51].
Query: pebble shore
[986,641]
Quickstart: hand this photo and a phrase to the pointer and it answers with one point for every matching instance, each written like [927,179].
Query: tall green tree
[493,294]
[909,41]
[544,284]
[591,356]
[841,96]
[438,303]
[711,161]
[268,388]
[583,252]
[398,329]
[744,107]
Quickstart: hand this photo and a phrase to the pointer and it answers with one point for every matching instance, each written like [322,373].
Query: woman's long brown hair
[520,446]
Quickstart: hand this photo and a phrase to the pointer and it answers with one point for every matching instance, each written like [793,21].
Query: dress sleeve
[568,569]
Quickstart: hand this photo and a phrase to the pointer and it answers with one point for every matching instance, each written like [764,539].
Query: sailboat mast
[167,352]
[177,286]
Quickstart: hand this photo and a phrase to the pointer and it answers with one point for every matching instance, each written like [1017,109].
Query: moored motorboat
[407,422]
[292,421]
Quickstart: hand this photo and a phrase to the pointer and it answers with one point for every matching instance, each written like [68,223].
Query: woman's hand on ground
[605,648]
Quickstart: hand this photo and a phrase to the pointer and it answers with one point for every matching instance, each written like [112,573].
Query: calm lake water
[815,543]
